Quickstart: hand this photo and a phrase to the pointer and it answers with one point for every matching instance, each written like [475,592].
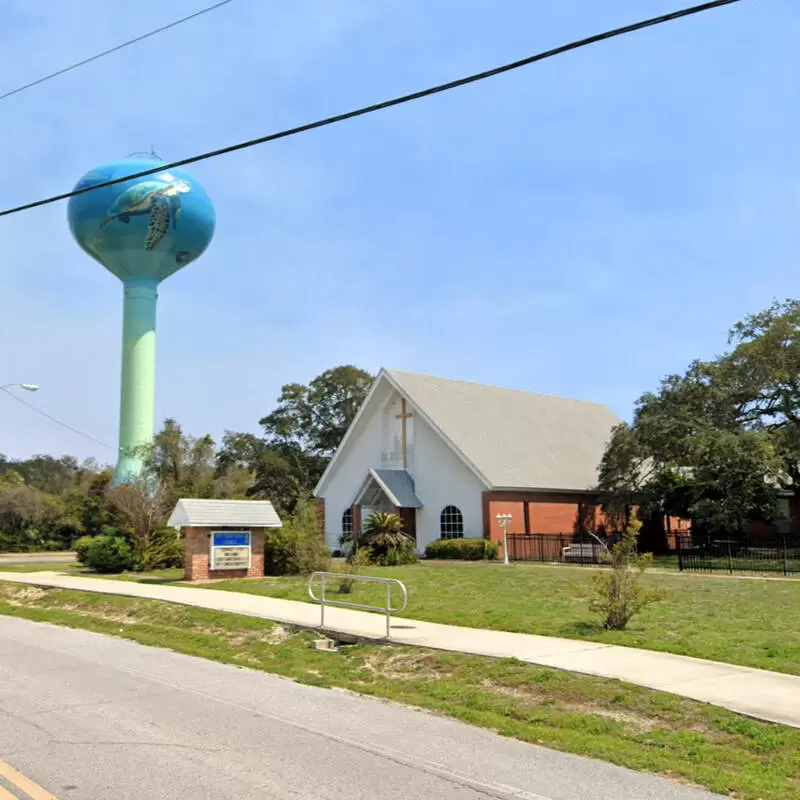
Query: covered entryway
[390,491]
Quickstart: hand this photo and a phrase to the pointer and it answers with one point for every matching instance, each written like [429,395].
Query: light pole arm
[28,387]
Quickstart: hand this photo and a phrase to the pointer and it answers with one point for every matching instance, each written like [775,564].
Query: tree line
[47,503]
[716,445]
[720,443]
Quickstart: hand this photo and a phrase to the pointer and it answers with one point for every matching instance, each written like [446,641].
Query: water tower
[142,230]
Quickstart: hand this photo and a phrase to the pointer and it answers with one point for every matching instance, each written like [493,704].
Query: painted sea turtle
[158,199]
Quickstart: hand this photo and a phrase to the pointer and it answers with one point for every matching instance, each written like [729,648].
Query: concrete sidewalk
[769,696]
[36,558]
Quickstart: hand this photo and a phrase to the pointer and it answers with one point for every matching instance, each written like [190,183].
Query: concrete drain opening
[326,645]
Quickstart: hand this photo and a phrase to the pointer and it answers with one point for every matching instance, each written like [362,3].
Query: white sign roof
[224,513]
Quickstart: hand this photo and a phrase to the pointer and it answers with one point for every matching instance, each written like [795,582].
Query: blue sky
[579,227]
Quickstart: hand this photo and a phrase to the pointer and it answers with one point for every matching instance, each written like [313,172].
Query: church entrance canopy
[390,491]
[387,489]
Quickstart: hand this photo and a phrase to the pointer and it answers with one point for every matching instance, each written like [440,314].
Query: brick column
[321,516]
[196,554]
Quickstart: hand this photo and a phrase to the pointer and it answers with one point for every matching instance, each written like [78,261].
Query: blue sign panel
[234,539]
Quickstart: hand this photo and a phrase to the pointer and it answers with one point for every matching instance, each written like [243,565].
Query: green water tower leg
[137,403]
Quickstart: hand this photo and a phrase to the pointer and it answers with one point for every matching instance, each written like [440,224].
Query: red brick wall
[553,517]
[197,547]
[514,507]
[548,512]
[195,554]
[321,516]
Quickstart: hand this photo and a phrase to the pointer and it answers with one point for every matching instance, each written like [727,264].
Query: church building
[448,456]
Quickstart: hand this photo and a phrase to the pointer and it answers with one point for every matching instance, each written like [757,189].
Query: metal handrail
[324,601]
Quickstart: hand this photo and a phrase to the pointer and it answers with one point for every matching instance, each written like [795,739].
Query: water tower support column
[137,403]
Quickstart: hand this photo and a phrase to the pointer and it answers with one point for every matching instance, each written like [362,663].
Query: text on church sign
[230,550]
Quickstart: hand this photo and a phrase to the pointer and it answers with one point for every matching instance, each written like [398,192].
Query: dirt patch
[638,722]
[528,692]
[271,635]
[247,658]
[531,694]
[22,595]
[278,634]
[403,666]
[122,617]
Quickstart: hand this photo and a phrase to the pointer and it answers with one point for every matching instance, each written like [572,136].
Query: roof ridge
[397,374]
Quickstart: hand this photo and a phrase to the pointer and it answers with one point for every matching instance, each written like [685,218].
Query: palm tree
[388,543]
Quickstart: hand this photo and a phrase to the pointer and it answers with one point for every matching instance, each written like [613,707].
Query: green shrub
[386,542]
[298,548]
[462,549]
[109,554]
[617,594]
[164,550]
[357,560]
[82,548]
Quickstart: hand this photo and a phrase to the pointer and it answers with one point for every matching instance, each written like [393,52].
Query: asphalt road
[90,717]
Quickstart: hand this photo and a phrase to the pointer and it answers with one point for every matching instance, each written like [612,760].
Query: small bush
[462,549]
[82,548]
[355,563]
[297,548]
[618,595]
[164,550]
[405,553]
[386,541]
[109,554]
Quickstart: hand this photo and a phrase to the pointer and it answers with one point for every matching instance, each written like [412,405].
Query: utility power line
[57,421]
[407,98]
[113,49]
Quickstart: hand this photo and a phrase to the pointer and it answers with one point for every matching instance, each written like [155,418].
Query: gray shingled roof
[399,486]
[515,439]
[208,513]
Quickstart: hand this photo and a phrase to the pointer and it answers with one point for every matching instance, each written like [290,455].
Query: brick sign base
[197,555]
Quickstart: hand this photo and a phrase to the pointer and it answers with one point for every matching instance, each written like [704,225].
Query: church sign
[230,550]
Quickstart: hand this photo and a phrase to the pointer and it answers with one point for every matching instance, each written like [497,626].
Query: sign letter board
[230,550]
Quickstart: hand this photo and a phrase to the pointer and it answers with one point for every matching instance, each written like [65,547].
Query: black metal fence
[562,548]
[777,555]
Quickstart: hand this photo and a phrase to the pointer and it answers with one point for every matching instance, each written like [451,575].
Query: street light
[504,520]
[28,387]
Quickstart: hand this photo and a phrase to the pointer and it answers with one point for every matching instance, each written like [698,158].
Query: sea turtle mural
[158,199]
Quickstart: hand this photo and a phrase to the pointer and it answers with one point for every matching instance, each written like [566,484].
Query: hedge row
[462,549]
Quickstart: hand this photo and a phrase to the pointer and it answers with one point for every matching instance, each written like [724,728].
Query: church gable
[384,435]
[514,439]
[439,451]
[393,459]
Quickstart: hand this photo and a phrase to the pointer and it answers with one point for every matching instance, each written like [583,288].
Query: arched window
[347,522]
[451,523]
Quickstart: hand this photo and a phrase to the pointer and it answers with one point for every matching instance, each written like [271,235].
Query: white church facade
[448,455]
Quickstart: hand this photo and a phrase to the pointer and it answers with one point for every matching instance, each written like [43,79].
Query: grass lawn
[42,566]
[749,621]
[622,724]
[754,622]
